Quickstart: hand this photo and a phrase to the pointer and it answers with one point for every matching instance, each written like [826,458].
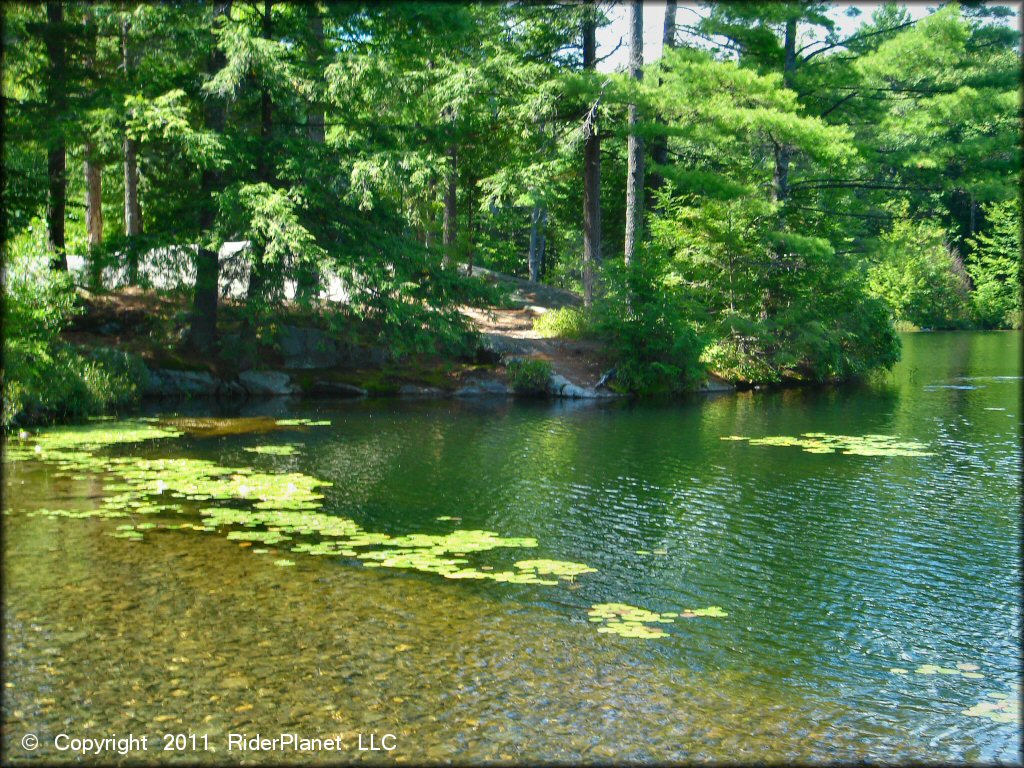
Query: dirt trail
[510,331]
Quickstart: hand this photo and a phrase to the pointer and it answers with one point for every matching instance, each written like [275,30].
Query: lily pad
[850,445]
[273,450]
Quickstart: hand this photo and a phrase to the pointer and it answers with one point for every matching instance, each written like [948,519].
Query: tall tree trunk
[203,333]
[93,212]
[536,249]
[783,152]
[430,219]
[91,167]
[659,146]
[591,169]
[451,211]
[259,272]
[56,169]
[635,172]
[132,210]
[470,233]
[668,32]
[307,281]
[315,124]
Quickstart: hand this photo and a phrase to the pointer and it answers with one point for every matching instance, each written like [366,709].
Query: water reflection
[833,569]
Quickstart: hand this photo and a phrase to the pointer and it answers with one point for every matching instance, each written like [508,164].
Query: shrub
[44,378]
[919,276]
[644,320]
[565,323]
[529,375]
[996,268]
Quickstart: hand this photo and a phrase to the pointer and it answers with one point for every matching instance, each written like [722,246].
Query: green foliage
[996,268]
[772,305]
[644,320]
[565,323]
[918,276]
[44,378]
[370,144]
[528,375]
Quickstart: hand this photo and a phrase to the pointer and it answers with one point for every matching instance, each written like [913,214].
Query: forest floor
[510,330]
[152,324]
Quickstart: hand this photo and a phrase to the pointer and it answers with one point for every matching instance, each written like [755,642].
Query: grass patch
[529,375]
[564,323]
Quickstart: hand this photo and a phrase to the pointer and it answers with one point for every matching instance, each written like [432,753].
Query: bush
[529,375]
[565,323]
[996,268]
[45,379]
[919,276]
[644,322]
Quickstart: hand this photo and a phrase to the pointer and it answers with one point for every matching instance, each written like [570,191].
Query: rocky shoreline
[174,384]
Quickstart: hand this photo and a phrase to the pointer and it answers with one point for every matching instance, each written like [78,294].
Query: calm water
[833,570]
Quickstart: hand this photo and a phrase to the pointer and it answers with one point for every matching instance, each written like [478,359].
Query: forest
[770,201]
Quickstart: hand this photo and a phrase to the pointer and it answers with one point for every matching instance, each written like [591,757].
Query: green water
[833,569]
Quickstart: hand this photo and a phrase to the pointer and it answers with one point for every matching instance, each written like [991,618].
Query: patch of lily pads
[630,621]
[269,509]
[79,440]
[273,509]
[999,707]
[273,450]
[850,445]
[963,669]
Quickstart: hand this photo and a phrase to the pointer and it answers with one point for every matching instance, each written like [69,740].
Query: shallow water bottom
[106,637]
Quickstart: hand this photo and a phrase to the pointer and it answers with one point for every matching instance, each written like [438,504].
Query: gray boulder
[267,383]
[415,390]
[483,387]
[559,386]
[716,384]
[310,348]
[306,348]
[231,390]
[169,383]
[502,346]
[322,388]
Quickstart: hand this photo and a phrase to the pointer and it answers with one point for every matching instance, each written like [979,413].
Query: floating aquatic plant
[712,611]
[850,445]
[963,669]
[561,568]
[627,620]
[273,450]
[267,508]
[86,437]
[1001,709]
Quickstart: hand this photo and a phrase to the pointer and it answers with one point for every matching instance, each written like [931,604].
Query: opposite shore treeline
[767,201]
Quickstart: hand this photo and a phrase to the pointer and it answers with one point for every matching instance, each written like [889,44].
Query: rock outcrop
[267,383]
[559,386]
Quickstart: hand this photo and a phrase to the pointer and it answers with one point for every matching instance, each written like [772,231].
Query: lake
[533,581]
